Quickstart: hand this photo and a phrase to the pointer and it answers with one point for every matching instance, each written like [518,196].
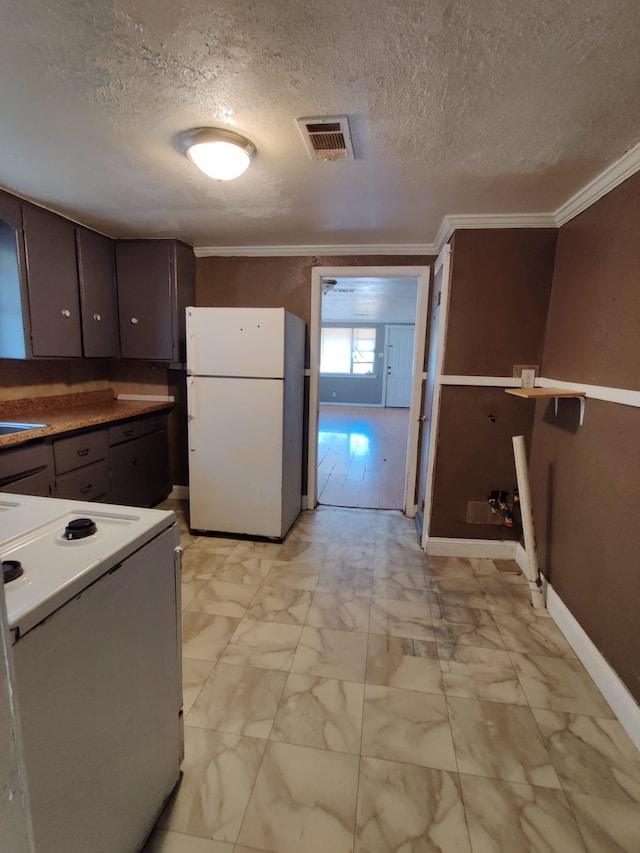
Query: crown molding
[455,222]
[313,251]
[501,220]
[606,181]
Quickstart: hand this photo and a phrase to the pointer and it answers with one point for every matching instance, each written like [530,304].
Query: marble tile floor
[343,692]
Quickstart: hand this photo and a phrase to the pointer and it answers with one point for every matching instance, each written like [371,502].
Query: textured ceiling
[456,106]
[370,300]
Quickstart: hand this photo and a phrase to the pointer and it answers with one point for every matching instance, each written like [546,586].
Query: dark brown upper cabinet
[52,276]
[57,286]
[156,282]
[97,274]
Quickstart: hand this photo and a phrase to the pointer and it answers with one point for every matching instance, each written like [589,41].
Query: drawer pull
[127,432]
[97,317]
[83,452]
[66,312]
[86,489]
[134,321]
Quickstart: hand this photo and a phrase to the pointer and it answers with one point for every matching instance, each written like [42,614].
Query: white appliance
[245,392]
[94,621]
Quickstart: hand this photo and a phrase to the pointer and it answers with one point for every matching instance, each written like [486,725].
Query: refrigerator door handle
[192,354]
[191,409]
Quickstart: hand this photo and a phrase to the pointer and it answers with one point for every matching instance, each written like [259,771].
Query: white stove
[55,567]
[95,623]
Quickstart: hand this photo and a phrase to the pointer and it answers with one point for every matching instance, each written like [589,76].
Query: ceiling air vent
[327,137]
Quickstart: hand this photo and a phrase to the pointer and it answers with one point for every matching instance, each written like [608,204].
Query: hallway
[362,456]
[344,692]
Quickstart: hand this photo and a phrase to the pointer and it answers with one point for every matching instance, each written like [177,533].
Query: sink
[8,428]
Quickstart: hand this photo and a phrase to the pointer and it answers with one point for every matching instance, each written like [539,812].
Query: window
[346,349]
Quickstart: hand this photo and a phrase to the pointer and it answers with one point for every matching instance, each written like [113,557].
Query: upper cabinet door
[15,341]
[146,279]
[52,274]
[96,269]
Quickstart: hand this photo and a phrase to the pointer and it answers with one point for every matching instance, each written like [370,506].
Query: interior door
[431,392]
[400,343]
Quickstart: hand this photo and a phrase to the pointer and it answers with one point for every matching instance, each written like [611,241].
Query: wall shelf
[542,393]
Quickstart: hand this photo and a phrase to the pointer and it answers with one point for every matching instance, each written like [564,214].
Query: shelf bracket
[581,400]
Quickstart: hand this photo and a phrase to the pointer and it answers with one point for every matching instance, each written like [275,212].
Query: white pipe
[524,493]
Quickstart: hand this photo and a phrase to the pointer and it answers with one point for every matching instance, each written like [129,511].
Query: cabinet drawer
[85,484]
[80,450]
[24,460]
[34,484]
[154,424]
[124,432]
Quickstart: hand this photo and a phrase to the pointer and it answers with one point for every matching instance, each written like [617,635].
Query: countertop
[68,412]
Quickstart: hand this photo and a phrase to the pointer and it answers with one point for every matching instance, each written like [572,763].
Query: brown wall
[594,317]
[500,284]
[475,455]
[586,480]
[501,281]
[276,282]
[26,379]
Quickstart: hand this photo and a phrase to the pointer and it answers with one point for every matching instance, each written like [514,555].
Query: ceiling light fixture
[221,154]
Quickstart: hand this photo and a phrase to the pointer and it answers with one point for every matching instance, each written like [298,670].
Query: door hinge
[439,297]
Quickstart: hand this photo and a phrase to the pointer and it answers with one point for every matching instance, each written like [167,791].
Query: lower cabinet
[27,470]
[82,466]
[127,463]
[91,483]
[140,462]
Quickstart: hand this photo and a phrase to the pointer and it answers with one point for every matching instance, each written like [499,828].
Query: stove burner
[79,528]
[11,569]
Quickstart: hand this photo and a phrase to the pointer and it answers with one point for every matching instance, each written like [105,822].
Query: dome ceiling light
[221,154]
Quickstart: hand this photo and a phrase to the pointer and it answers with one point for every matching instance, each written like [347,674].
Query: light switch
[528,378]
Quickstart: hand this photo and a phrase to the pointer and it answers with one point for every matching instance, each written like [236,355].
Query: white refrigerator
[245,394]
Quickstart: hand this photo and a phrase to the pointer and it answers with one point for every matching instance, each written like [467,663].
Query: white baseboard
[614,691]
[522,560]
[490,549]
[179,493]
[607,680]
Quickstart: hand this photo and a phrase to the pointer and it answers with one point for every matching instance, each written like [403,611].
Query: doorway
[372,422]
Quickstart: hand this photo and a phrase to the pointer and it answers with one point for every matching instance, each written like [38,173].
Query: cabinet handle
[127,432]
[134,321]
[86,489]
[97,317]
[83,452]
[66,312]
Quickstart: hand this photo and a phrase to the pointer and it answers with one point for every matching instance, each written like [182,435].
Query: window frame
[352,327]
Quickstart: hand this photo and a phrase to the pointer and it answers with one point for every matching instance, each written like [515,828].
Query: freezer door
[236,342]
[235,455]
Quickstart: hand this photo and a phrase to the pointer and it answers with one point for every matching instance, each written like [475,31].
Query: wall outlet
[526,373]
[528,378]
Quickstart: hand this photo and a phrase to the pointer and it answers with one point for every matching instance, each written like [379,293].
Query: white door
[431,391]
[235,455]
[399,386]
[235,342]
